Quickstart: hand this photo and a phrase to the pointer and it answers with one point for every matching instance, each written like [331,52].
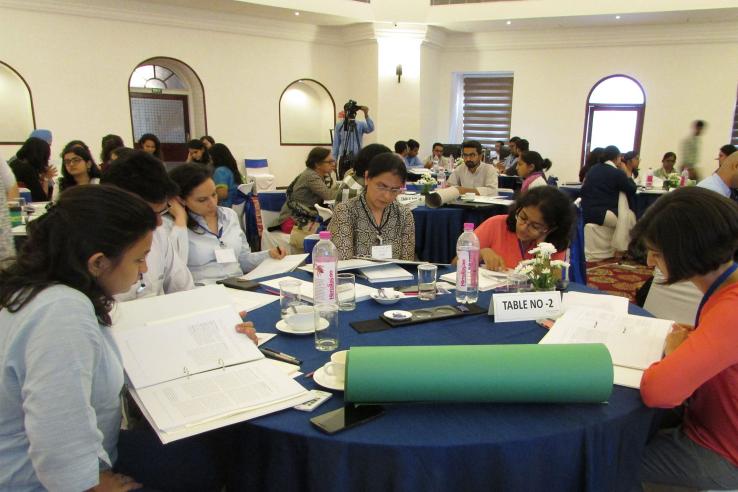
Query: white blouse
[202,246]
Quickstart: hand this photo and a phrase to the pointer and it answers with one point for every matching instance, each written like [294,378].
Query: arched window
[167,99]
[16,106]
[615,109]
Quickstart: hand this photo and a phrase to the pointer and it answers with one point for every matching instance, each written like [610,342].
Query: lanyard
[216,236]
[523,250]
[371,219]
[723,276]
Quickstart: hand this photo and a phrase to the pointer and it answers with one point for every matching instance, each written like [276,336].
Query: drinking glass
[326,327]
[290,298]
[427,281]
[346,291]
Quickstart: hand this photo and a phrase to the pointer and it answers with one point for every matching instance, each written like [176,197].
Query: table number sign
[525,306]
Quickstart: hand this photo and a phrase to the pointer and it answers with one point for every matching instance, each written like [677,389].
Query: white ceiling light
[297,13]
[508,22]
[617,17]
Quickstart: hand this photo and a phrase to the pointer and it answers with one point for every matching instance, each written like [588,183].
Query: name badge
[382,252]
[225,255]
[525,306]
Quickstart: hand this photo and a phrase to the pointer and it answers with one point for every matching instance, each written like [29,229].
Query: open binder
[634,342]
[189,370]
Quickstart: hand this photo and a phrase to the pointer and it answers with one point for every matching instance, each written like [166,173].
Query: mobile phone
[344,418]
[318,398]
[238,283]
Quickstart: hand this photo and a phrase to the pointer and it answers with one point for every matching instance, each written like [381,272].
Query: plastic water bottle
[649,178]
[467,266]
[683,178]
[325,264]
[441,176]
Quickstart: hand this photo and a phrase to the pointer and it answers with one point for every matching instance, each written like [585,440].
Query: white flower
[559,263]
[546,249]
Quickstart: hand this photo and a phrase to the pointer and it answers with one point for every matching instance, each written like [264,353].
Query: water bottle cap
[468,226]
[325,235]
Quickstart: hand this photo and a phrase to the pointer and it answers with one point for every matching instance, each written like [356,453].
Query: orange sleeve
[706,352]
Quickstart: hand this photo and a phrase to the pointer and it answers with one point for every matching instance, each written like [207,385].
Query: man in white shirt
[725,179]
[144,175]
[437,156]
[474,176]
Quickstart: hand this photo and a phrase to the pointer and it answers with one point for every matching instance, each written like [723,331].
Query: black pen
[273,354]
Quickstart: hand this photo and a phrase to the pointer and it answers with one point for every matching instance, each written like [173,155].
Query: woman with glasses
[692,234]
[313,186]
[217,247]
[543,214]
[374,223]
[78,168]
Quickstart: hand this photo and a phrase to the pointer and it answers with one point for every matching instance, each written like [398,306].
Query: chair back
[256,166]
[577,262]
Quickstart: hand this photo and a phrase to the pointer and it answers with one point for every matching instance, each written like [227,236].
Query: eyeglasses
[537,227]
[73,160]
[392,191]
[469,156]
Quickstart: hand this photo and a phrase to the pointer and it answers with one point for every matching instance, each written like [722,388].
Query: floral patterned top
[355,230]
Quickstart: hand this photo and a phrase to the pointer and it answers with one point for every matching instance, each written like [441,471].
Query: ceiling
[355,12]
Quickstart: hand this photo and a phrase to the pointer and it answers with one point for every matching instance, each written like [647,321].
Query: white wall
[683,81]
[78,70]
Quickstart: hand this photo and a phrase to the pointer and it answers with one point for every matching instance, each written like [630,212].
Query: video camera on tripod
[350,109]
[349,137]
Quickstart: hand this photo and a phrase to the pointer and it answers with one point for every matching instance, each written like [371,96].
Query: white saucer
[326,381]
[386,300]
[398,314]
[285,328]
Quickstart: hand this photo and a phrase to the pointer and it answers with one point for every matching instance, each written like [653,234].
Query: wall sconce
[398,72]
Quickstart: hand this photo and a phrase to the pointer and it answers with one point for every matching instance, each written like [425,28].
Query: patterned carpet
[620,279]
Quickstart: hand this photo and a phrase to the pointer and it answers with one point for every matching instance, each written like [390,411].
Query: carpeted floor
[620,279]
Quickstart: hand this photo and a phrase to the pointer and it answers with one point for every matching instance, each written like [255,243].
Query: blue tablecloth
[515,447]
[438,229]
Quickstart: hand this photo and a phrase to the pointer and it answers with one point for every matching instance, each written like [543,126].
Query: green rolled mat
[580,373]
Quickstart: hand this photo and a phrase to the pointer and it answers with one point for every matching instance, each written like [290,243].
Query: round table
[566,447]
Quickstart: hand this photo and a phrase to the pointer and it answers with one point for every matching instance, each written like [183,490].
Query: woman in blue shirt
[217,246]
[60,379]
[226,176]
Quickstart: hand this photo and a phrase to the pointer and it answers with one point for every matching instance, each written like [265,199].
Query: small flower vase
[426,189]
[544,283]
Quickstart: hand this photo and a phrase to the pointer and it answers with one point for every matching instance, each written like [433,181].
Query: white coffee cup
[336,368]
[302,319]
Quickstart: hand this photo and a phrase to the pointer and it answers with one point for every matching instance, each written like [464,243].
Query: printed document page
[186,345]
[488,279]
[633,341]
[306,289]
[216,394]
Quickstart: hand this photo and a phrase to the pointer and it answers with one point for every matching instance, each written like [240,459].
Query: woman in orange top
[542,214]
[692,234]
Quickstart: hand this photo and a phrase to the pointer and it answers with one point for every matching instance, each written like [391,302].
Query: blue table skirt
[516,447]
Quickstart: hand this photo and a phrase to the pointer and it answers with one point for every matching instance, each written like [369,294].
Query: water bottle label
[473,269]
[462,271]
[324,280]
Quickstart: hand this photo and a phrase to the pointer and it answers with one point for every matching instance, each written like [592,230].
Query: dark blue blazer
[600,192]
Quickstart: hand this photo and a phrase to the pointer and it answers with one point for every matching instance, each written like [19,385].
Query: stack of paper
[386,273]
[497,200]
[189,370]
[634,342]
[488,279]
[270,266]
[306,289]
